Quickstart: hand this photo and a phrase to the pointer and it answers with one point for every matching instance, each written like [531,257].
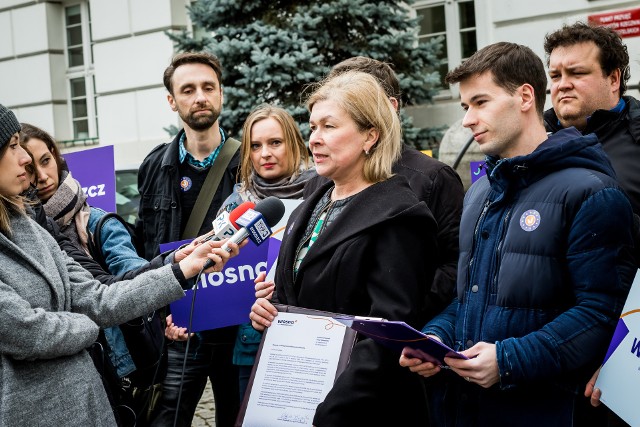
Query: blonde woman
[362,244]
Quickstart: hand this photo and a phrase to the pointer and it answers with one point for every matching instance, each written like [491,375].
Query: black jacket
[619,134]
[159,216]
[372,261]
[440,187]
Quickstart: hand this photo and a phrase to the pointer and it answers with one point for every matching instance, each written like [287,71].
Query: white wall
[527,23]
[131,52]
[127,64]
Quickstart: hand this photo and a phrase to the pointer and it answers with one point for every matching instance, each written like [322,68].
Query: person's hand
[591,391]
[419,366]
[210,250]
[264,289]
[482,366]
[183,252]
[174,332]
[426,369]
[262,314]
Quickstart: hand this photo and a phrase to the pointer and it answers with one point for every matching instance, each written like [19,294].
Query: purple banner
[477,171]
[224,299]
[619,335]
[95,171]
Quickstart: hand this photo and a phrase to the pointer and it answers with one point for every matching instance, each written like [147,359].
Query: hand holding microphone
[210,253]
[255,224]
[223,227]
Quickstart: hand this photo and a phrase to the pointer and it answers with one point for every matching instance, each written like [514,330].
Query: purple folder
[398,336]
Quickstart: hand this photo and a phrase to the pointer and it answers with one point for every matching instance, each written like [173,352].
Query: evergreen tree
[272,50]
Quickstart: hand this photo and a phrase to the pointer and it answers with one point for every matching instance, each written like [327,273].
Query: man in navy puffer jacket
[545,259]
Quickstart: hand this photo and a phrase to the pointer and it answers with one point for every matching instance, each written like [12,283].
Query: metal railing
[79,141]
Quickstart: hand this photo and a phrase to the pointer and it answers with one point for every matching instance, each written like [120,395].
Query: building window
[80,77]
[79,108]
[73,21]
[455,21]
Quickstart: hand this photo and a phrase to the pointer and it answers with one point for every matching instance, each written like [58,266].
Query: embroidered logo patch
[530,220]
[185,183]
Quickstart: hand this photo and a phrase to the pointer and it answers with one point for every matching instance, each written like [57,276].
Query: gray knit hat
[9,125]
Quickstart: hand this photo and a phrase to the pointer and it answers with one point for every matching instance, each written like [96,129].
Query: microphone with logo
[255,224]
[224,226]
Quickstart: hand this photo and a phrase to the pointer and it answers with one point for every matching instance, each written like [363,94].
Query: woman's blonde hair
[296,150]
[9,204]
[364,100]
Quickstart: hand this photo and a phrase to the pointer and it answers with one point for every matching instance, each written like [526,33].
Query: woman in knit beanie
[9,128]
[52,309]
[9,125]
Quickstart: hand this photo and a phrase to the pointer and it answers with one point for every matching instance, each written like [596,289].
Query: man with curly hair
[589,71]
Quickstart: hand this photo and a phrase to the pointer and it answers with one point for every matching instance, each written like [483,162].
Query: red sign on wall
[625,22]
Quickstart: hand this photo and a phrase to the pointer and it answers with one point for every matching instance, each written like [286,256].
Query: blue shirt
[183,154]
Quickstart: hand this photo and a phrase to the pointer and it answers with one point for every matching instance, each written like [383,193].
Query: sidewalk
[205,412]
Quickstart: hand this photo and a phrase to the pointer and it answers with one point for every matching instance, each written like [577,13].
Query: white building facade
[518,21]
[90,71]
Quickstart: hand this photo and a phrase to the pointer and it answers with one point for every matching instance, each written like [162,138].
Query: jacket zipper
[485,208]
[496,267]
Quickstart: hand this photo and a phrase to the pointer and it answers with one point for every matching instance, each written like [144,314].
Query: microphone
[255,224]
[224,226]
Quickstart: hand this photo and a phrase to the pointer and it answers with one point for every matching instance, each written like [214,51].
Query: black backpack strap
[209,188]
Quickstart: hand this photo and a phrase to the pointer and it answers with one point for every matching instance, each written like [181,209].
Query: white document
[619,377]
[295,371]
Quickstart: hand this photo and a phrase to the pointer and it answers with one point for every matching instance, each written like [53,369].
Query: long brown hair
[29,132]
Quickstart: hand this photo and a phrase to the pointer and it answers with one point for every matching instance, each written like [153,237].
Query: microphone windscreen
[239,211]
[272,209]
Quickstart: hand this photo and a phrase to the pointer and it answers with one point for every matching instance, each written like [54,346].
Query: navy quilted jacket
[544,264]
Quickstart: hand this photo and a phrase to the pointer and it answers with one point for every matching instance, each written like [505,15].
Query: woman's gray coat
[51,311]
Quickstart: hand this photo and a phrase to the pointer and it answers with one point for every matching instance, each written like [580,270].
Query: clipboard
[401,337]
[345,348]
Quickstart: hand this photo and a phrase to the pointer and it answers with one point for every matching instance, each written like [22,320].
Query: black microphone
[255,224]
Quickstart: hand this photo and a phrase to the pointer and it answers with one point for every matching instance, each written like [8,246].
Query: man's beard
[202,121]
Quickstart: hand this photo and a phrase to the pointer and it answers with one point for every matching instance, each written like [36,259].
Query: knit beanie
[9,125]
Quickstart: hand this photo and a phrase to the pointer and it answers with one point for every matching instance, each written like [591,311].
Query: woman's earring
[366,152]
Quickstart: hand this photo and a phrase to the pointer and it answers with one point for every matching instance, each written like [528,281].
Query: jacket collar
[564,149]
[170,159]
[633,112]
[372,206]
[603,119]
